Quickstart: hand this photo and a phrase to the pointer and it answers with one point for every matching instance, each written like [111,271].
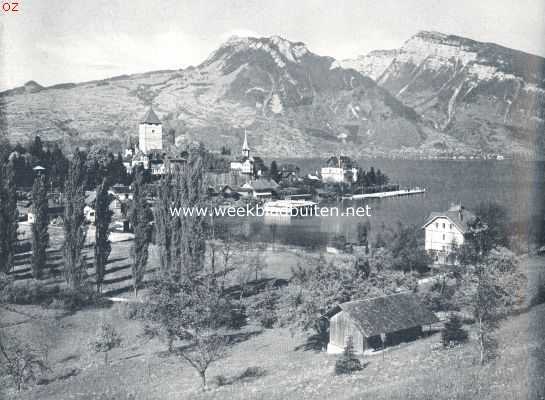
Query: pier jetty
[382,195]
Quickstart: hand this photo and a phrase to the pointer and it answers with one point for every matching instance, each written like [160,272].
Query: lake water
[518,186]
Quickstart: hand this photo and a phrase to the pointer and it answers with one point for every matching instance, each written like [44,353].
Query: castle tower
[245,147]
[150,133]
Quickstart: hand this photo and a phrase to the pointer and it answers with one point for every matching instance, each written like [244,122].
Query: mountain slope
[485,95]
[292,102]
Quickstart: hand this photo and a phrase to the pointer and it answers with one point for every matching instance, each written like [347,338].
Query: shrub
[23,246]
[29,293]
[5,282]
[107,338]
[49,296]
[453,333]
[348,362]
[73,300]
[262,308]
[221,380]
[248,374]
[252,372]
[132,311]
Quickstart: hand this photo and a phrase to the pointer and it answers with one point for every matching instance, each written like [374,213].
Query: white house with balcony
[447,230]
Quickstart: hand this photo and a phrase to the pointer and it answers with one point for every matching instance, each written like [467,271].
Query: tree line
[24,158]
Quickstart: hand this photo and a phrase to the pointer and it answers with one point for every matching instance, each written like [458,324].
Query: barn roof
[388,313]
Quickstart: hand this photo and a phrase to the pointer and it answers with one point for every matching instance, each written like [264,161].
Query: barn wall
[340,327]
[395,338]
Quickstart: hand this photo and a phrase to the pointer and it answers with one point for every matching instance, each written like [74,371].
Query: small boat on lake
[292,208]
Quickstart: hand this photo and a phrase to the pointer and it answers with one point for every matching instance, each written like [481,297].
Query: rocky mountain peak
[281,50]
[463,86]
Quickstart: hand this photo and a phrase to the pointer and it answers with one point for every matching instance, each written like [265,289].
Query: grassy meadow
[261,363]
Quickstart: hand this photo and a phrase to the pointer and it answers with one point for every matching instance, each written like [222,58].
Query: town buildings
[261,189]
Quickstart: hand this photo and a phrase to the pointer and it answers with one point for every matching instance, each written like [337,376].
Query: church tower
[245,147]
[150,133]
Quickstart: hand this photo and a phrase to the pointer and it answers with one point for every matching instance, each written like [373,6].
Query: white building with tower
[245,165]
[150,133]
[150,145]
[339,170]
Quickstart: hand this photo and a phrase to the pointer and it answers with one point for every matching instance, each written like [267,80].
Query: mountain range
[437,94]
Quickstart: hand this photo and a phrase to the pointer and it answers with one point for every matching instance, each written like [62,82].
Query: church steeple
[245,147]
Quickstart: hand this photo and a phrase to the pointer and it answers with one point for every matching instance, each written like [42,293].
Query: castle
[150,133]
[150,146]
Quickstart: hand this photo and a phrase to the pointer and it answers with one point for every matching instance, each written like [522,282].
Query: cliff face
[485,95]
[372,64]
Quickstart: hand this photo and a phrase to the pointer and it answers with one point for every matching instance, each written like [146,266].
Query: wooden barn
[395,318]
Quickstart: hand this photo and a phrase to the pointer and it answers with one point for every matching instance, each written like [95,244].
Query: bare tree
[256,261]
[22,362]
[490,288]
[204,349]
[244,275]
[485,306]
[227,252]
[193,313]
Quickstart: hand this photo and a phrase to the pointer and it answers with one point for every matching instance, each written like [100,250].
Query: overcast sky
[53,41]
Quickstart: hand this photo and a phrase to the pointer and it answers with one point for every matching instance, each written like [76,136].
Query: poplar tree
[74,222]
[140,217]
[8,216]
[103,218]
[3,225]
[189,239]
[273,171]
[40,236]
[181,239]
[165,223]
